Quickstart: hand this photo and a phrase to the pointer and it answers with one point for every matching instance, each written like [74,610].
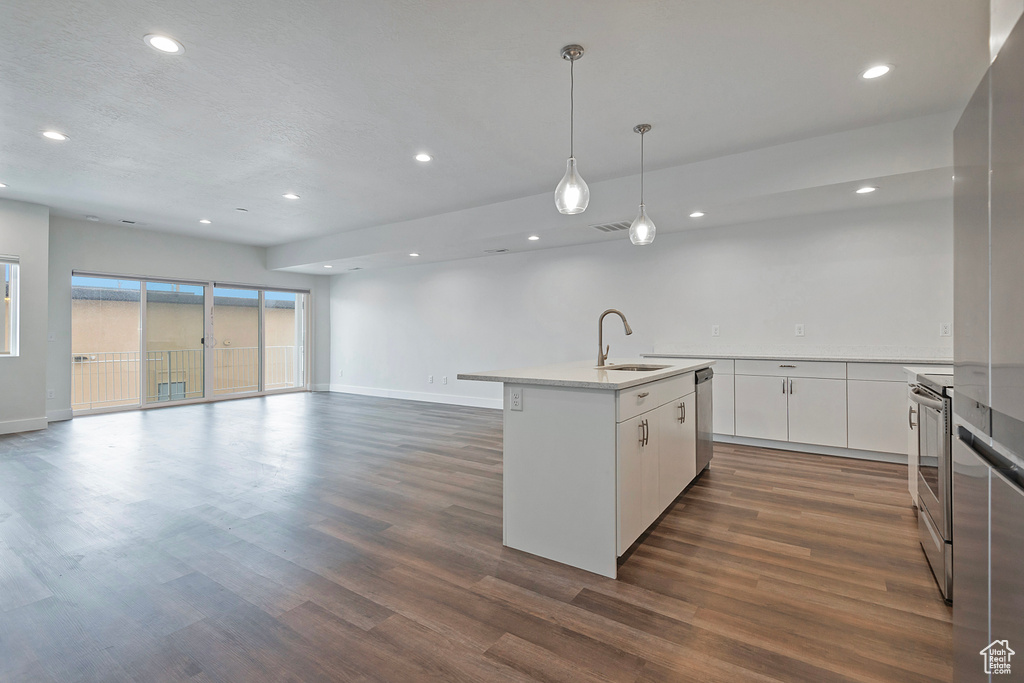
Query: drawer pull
[787,366]
[643,394]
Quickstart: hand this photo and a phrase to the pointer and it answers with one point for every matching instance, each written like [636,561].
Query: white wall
[24,233]
[870,283]
[81,245]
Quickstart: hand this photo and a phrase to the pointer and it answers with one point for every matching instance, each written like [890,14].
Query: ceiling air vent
[612,227]
[495,251]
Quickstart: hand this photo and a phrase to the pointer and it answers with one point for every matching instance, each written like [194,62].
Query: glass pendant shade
[641,232]
[572,194]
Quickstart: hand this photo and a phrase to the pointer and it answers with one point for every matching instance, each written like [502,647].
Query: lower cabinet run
[656,455]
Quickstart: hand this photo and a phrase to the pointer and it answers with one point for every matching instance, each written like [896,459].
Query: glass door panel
[104,342]
[236,329]
[284,332]
[174,341]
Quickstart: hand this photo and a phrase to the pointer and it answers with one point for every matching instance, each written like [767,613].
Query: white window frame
[15,296]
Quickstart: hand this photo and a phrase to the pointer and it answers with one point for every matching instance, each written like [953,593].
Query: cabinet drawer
[641,398]
[792,368]
[884,372]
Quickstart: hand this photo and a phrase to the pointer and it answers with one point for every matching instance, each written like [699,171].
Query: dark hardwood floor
[324,537]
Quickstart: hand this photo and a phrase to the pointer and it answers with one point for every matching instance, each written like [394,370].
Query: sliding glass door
[284,324]
[175,331]
[236,341]
[151,342]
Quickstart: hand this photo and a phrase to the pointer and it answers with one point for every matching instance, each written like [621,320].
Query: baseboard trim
[450,399]
[810,448]
[59,415]
[30,425]
[321,387]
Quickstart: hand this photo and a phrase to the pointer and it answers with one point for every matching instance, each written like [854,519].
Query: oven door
[933,474]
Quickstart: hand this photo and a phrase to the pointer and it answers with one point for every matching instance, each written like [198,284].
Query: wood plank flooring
[324,537]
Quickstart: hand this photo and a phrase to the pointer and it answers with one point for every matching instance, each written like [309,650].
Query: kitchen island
[593,456]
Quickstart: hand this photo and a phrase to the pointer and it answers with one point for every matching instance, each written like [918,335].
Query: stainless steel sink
[635,368]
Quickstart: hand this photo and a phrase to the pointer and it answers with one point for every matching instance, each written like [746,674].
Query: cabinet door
[877,416]
[651,469]
[632,454]
[1007,553]
[723,400]
[761,411]
[817,411]
[677,448]
[970,562]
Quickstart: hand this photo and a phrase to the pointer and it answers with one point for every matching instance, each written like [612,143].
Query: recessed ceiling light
[414,254]
[533,238]
[867,189]
[204,221]
[54,135]
[92,218]
[423,156]
[696,214]
[2,185]
[328,266]
[164,44]
[876,71]
[290,195]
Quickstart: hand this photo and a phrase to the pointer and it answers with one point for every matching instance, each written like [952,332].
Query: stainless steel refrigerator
[988,400]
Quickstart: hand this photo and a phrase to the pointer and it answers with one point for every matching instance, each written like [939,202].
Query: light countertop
[784,356]
[584,375]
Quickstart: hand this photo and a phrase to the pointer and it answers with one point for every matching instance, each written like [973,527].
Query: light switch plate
[515,398]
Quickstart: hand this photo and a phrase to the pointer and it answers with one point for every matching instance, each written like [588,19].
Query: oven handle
[917,397]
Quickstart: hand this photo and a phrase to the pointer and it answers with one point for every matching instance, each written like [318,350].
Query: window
[9,282]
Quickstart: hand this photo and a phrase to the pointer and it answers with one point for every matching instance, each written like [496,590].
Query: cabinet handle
[787,366]
[783,385]
[647,433]
[790,387]
[641,428]
[682,413]
[910,417]
[643,394]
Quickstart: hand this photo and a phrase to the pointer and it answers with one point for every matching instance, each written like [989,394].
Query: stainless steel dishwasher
[705,429]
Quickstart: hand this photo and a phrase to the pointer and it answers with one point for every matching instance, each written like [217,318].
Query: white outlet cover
[444,380]
[714,330]
[945,330]
[430,379]
[799,329]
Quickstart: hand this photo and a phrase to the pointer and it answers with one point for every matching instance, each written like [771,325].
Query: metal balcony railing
[107,379]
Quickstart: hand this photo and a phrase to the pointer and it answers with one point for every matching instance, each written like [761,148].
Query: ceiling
[331,99]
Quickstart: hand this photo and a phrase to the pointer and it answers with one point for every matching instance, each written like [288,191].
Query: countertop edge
[581,384]
[808,359]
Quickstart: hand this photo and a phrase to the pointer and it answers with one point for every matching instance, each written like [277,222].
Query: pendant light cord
[572,104]
[641,169]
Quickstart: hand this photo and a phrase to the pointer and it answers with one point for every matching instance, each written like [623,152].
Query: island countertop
[585,375]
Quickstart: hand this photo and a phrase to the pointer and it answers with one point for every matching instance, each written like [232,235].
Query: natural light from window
[9,284]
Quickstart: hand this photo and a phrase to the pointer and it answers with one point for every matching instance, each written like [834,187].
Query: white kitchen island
[593,456]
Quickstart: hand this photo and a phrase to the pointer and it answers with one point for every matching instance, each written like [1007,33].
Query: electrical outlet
[516,398]
[341,373]
[50,393]
[430,379]
[444,380]
[946,330]
[799,329]
[714,330]
[51,337]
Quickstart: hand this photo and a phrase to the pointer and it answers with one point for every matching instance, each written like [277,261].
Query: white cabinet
[877,415]
[656,453]
[677,448]
[799,409]
[762,410]
[913,447]
[817,411]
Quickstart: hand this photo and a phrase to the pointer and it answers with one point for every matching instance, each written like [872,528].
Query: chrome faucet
[602,357]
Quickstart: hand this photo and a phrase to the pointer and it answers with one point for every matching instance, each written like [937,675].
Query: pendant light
[641,232]
[572,194]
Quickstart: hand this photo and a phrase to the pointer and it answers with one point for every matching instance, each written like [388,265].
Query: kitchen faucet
[602,357]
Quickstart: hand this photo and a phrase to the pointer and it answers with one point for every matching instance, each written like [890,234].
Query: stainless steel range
[933,394]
